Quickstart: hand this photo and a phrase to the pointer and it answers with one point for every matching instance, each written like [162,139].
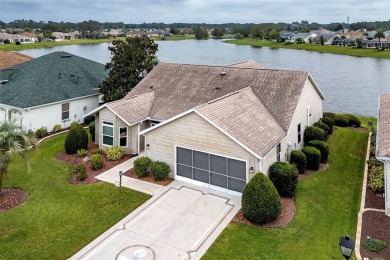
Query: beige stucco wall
[193,132]
[107,115]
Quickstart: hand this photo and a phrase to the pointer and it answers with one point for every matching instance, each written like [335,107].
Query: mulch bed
[323,167]
[373,200]
[11,198]
[285,217]
[60,131]
[375,225]
[130,173]
[74,160]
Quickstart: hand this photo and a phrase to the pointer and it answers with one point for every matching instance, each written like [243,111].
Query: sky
[195,11]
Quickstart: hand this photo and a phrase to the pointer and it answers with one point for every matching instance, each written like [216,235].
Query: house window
[123,136]
[278,149]
[299,133]
[65,111]
[108,133]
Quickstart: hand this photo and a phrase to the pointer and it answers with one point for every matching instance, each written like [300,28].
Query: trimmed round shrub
[329,122]
[97,161]
[313,157]
[141,166]
[323,126]
[352,120]
[329,115]
[81,171]
[322,147]
[76,139]
[89,119]
[114,153]
[314,133]
[341,120]
[92,130]
[159,170]
[284,176]
[260,200]
[298,158]
[377,179]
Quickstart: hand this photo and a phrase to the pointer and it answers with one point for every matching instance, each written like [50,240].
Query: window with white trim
[108,133]
[65,111]
[278,150]
[123,136]
[299,133]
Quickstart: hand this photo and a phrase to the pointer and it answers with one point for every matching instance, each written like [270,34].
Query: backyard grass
[373,53]
[58,218]
[327,208]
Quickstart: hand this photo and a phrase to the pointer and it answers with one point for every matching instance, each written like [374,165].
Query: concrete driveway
[180,222]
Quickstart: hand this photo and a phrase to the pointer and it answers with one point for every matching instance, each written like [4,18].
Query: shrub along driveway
[327,208]
[58,218]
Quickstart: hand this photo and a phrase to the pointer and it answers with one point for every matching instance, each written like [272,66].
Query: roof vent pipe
[223,73]
[59,75]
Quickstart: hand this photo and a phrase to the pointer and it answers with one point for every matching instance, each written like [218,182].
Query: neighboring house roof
[28,34]
[243,116]
[50,78]
[249,64]
[383,138]
[180,87]
[303,35]
[327,37]
[9,59]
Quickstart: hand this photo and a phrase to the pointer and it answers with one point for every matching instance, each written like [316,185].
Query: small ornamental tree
[313,157]
[260,200]
[322,147]
[285,178]
[76,139]
[314,133]
[298,158]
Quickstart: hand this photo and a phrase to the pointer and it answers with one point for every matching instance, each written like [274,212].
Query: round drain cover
[136,252]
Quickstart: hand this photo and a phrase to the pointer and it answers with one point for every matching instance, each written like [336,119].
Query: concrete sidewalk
[112,176]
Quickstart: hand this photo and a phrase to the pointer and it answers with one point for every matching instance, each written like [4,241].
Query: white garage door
[217,172]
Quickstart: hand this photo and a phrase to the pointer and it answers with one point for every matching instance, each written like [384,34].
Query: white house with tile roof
[215,126]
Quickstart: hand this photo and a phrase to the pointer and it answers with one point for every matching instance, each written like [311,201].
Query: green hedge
[323,126]
[298,158]
[159,170]
[260,200]
[114,153]
[352,120]
[314,133]
[329,122]
[322,147]
[285,178]
[76,139]
[141,166]
[341,120]
[89,119]
[313,157]
[92,130]
[330,115]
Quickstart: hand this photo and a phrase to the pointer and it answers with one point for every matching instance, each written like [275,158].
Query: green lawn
[315,47]
[327,208]
[58,218]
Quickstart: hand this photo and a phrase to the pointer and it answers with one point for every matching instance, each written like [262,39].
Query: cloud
[211,11]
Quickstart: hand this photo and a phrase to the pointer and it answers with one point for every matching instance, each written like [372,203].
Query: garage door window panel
[184,156]
[201,175]
[184,171]
[218,180]
[218,164]
[236,184]
[237,169]
[201,160]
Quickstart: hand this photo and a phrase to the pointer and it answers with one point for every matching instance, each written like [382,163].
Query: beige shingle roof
[243,116]
[383,142]
[180,87]
[249,64]
[133,109]
[9,59]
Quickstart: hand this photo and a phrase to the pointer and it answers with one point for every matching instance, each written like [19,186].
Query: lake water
[350,84]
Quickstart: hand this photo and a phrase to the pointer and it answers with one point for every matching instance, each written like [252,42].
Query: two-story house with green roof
[57,88]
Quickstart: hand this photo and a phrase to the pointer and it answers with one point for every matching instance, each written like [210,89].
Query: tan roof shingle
[9,59]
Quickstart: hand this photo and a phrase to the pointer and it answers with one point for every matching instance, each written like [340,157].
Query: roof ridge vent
[65,56]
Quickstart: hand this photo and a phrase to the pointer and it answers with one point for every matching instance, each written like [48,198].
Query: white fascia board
[316,86]
[166,121]
[61,101]
[95,110]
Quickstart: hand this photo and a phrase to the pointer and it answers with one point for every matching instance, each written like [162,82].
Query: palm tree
[13,141]
[379,35]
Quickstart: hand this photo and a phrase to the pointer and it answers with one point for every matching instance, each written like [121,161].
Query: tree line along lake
[350,84]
